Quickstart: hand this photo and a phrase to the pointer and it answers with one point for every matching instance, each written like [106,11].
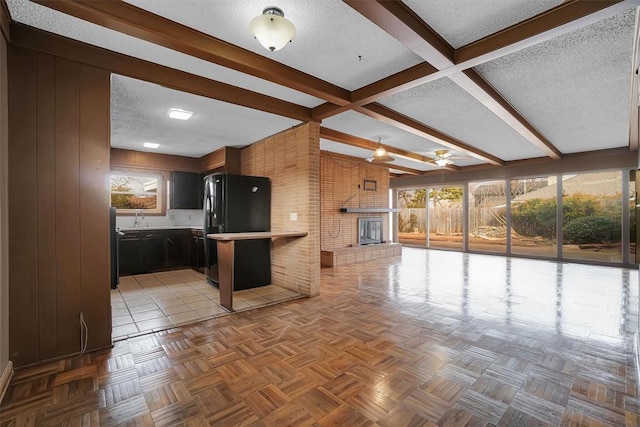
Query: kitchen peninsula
[226,248]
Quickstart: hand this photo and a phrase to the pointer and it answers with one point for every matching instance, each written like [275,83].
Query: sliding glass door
[534,207]
[412,217]
[446,218]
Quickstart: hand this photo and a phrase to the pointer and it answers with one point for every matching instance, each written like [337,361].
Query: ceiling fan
[444,158]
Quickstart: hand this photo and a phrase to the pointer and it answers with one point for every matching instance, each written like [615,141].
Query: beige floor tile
[121,320]
[253,301]
[154,324]
[147,315]
[160,300]
[124,330]
[171,303]
[211,311]
[175,309]
[194,298]
[144,307]
[181,318]
[119,305]
[121,311]
[202,304]
[187,293]
[240,305]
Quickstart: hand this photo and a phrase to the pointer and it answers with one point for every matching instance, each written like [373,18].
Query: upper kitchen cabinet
[186,190]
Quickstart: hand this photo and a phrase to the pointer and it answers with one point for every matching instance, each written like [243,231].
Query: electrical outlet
[293,216]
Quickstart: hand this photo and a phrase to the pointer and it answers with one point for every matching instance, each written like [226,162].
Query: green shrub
[591,229]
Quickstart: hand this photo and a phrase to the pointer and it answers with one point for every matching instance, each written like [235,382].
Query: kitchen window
[131,192]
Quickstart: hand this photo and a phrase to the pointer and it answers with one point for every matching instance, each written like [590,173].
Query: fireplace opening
[369,231]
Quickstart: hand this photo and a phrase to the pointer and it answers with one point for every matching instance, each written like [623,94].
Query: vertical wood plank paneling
[46,196]
[23,278]
[67,77]
[94,204]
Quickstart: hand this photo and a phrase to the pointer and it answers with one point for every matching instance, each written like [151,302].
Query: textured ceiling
[462,22]
[445,106]
[139,114]
[567,86]
[574,88]
[38,16]
[333,42]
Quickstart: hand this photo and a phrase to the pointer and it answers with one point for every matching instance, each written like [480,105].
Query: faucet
[139,218]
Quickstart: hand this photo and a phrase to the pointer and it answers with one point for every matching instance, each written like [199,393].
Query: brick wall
[340,179]
[291,160]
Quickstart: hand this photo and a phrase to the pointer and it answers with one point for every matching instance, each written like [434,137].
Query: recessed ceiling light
[176,113]
[151,145]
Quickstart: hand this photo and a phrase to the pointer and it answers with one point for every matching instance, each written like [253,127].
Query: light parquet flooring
[434,338]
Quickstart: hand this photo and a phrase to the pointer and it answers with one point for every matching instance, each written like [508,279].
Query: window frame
[161,195]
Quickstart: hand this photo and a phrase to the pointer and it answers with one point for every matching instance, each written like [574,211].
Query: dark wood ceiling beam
[367,144]
[5,20]
[481,90]
[118,63]
[400,121]
[565,18]
[405,26]
[129,19]
[408,28]
[569,16]
[359,160]
[396,83]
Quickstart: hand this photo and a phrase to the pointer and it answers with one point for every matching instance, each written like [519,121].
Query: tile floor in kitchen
[153,302]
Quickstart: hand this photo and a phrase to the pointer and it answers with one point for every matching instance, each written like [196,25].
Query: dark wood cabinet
[148,251]
[178,247]
[186,190]
[153,254]
[129,255]
[197,250]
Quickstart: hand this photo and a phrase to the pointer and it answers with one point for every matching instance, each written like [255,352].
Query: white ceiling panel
[333,42]
[461,22]
[574,88]
[443,105]
[139,114]
[38,16]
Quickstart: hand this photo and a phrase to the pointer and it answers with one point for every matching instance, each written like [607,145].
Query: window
[446,217]
[592,216]
[488,216]
[131,192]
[534,207]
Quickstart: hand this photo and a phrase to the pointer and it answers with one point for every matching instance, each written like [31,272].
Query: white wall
[4,211]
[174,217]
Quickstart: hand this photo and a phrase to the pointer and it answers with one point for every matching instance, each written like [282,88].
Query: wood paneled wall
[291,160]
[226,159]
[342,184]
[58,193]
[154,161]
[4,212]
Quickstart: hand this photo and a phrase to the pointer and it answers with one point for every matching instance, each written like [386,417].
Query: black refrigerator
[235,204]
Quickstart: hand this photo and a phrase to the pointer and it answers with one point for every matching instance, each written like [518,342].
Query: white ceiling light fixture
[441,162]
[380,155]
[176,113]
[272,29]
[151,145]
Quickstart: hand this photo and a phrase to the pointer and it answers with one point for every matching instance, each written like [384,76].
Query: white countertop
[161,227]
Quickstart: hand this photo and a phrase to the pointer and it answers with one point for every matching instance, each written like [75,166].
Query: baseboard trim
[7,373]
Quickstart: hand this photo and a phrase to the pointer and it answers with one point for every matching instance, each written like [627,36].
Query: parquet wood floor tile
[387,343]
